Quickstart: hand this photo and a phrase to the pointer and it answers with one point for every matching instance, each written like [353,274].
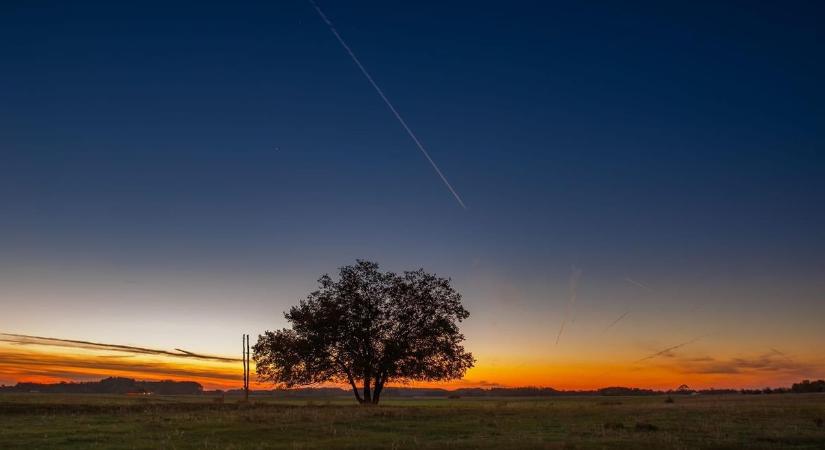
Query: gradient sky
[173,175]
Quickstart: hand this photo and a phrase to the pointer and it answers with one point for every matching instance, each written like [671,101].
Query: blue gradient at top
[669,140]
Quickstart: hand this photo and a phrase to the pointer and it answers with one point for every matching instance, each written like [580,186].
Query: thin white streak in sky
[574,286]
[617,320]
[670,349]
[636,283]
[387,101]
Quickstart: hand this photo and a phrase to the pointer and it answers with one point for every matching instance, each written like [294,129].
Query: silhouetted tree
[367,328]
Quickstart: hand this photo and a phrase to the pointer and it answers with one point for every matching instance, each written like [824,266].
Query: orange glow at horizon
[49,364]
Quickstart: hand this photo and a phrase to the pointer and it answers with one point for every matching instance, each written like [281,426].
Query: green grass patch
[99,421]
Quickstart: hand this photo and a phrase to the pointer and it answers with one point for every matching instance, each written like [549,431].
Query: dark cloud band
[23,339]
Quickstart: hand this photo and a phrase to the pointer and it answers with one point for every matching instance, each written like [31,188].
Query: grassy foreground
[88,421]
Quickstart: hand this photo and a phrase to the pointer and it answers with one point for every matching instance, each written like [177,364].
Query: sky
[644,182]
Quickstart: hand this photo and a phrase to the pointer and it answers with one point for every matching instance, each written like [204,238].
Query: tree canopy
[366,329]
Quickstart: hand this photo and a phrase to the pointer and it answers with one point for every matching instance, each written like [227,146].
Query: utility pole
[245,354]
[248,367]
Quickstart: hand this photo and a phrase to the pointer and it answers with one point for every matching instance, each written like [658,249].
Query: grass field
[88,421]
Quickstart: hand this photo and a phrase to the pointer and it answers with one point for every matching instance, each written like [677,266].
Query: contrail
[574,285]
[198,355]
[669,349]
[387,101]
[617,320]
[634,282]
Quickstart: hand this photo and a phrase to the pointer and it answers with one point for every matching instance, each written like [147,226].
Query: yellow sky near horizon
[514,330]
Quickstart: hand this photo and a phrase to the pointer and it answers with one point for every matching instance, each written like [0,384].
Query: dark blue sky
[670,143]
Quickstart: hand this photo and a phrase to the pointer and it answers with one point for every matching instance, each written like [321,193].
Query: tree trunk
[358,396]
[355,390]
[367,391]
[376,395]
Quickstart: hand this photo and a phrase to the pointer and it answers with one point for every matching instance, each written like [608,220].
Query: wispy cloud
[39,358]
[767,362]
[668,352]
[24,365]
[782,354]
[22,339]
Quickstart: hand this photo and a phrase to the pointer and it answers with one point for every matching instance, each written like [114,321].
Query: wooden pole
[248,367]
[243,354]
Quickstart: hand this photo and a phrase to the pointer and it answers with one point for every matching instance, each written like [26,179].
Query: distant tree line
[410,392]
[402,392]
[619,390]
[131,386]
[113,385]
[809,386]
